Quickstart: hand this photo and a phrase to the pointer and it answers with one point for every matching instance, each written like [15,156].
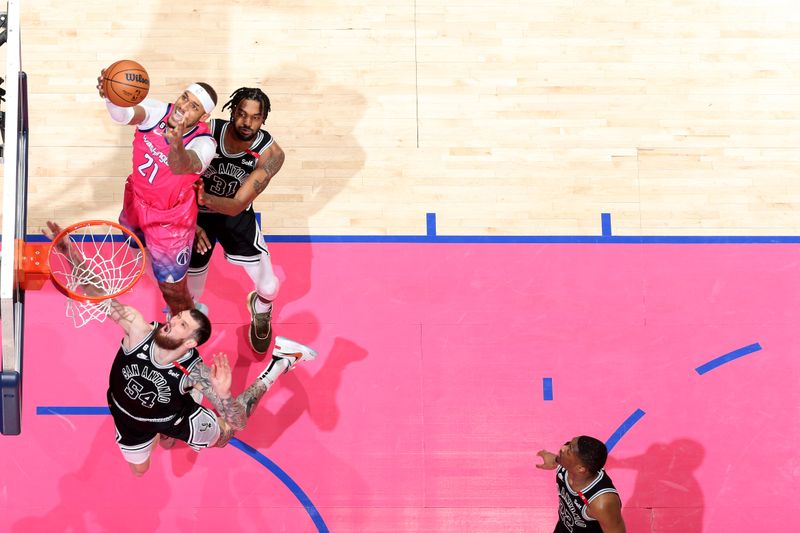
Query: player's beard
[242,137]
[163,341]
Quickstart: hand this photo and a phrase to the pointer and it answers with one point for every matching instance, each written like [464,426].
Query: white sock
[262,307]
[276,367]
[197,284]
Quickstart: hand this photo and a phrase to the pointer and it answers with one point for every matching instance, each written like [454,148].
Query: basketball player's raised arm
[215,384]
[130,320]
[192,158]
[269,163]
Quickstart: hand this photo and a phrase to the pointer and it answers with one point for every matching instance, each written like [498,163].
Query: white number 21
[144,166]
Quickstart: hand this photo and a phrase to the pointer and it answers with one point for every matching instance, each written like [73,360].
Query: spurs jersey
[152,180]
[146,391]
[573,505]
[227,171]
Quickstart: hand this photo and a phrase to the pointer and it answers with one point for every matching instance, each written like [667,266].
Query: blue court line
[288,481]
[605,224]
[728,357]
[623,428]
[547,388]
[71,410]
[430,224]
[522,239]
[277,471]
[605,237]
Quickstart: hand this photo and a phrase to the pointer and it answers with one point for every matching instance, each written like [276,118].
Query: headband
[202,95]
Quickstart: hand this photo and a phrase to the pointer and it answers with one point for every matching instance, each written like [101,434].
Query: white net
[82,313]
[98,262]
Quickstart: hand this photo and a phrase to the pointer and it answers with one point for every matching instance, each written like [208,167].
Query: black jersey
[573,505]
[227,171]
[146,391]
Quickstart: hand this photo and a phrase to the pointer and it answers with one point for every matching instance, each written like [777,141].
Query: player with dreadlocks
[247,158]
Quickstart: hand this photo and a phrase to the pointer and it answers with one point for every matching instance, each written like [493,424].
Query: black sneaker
[260,326]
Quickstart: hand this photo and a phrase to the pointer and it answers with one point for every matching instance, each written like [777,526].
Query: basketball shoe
[292,352]
[260,325]
[286,354]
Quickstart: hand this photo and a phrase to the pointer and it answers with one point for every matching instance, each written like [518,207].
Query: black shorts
[239,235]
[194,425]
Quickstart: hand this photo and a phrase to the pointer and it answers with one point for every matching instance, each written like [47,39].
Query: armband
[120,115]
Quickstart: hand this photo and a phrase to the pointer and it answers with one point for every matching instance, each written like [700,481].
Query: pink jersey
[152,180]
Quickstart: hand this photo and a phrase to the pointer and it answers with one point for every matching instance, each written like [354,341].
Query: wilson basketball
[126,83]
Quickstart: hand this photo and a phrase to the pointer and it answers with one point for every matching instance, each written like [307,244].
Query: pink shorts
[167,234]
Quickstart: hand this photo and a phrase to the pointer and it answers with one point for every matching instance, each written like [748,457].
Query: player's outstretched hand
[174,135]
[549,460]
[62,245]
[100,84]
[221,376]
[52,230]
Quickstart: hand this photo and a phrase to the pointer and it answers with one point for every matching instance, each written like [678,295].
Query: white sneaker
[288,349]
[285,350]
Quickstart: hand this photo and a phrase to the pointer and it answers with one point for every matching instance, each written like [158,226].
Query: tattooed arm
[215,384]
[254,184]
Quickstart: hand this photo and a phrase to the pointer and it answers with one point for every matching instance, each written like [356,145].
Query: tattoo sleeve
[271,166]
[231,410]
[260,185]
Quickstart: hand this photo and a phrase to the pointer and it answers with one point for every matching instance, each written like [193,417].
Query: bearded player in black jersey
[588,501]
[156,369]
[247,159]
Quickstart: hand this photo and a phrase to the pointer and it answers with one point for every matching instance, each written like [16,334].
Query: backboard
[14,226]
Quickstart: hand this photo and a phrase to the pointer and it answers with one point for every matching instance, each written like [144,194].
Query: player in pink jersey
[171,148]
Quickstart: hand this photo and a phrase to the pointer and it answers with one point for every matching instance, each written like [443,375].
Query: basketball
[126,83]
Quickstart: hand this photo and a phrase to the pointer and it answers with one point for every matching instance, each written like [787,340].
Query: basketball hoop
[92,262]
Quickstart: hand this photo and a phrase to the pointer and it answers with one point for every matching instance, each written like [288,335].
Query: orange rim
[85,224]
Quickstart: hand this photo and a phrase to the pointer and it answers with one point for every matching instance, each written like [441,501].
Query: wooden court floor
[504,118]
